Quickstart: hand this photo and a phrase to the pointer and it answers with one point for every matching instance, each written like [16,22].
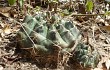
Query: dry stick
[75,45]
[84,15]
[71,15]
[4,53]
[93,33]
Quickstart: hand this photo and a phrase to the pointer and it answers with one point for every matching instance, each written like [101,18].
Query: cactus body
[58,32]
[47,32]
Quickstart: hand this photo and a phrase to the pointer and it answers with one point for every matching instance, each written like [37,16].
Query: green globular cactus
[47,32]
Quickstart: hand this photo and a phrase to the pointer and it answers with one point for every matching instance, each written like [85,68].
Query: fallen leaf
[5,9]
[97,69]
[7,29]
[5,14]
[107,63]
[107,28]
[102,37]
[1,68]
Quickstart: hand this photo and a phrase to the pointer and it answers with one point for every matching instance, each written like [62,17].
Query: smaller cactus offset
[86,57]
[48,31]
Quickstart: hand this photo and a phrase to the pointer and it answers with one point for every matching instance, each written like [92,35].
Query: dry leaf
[107,63]
[107,28]
[1,68]
[5,9]
[5,14]
[7,29]
[28,5]
[102,37]
[97,69]
[99,19]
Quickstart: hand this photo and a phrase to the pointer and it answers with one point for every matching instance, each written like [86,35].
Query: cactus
[85,57]
[55,31]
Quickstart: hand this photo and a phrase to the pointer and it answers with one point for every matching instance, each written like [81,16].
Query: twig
[4,53]
[84,15]
[76,43]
